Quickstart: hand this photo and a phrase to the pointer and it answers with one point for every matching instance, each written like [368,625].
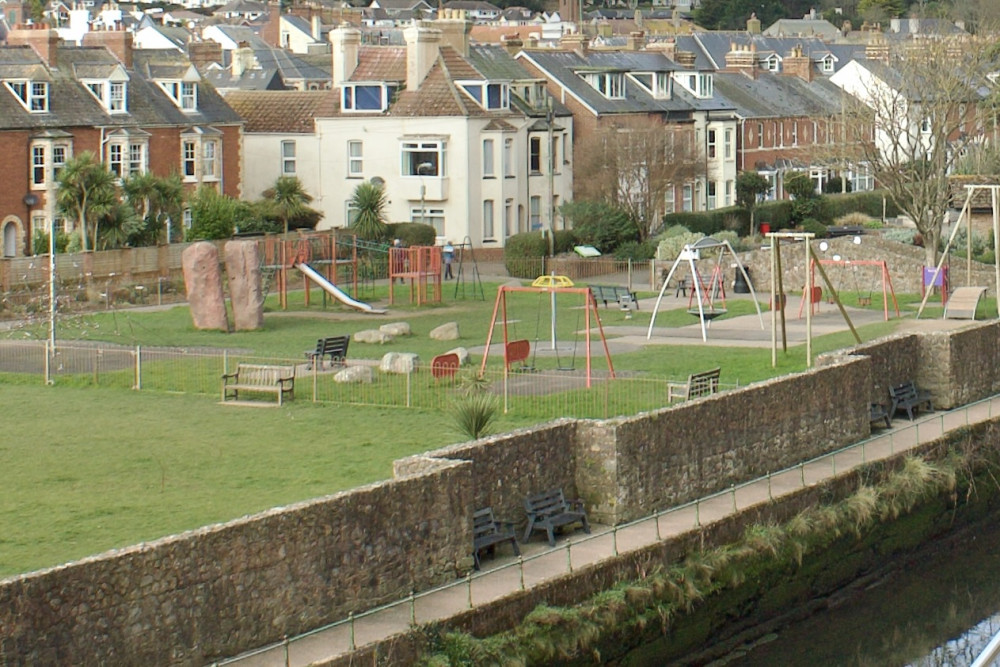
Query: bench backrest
[257,374]
[546,503]
[704,383]
[483,523]
[335,346]
[904,391]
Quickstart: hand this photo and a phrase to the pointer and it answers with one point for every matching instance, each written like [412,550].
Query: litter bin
[740,285]
[765,228]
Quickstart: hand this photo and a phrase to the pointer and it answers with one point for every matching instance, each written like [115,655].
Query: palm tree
[120,223]
[157,200]
[369,202]
[288,199]
[86,191]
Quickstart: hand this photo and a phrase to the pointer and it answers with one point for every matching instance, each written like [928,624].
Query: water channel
[940,607]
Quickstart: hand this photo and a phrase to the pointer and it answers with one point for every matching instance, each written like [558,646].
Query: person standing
[448,256]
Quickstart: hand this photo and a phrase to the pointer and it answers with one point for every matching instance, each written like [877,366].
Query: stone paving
[503,575]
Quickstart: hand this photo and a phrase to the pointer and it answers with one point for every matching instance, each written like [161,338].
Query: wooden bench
[963,302]
[705,383]
[612,293]
[550,510]
[258,378]
[907,397]
[487,533]
[877,412]
[334,347]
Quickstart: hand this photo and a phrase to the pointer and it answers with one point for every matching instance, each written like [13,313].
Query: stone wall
[223,589]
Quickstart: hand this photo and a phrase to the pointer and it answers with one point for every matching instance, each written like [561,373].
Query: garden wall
[223,589]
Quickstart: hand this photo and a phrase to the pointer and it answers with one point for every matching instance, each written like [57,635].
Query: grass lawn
[93,469]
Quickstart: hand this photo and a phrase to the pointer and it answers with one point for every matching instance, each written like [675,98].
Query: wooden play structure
[518,351]
[420,267]
[881,275]
[319,256]
[708,299]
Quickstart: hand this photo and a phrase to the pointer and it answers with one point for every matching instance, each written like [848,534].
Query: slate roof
[71,104]
[496,64]
[291,66]
[563,66]
[715,45]
[779,96]
[254,79]
[285,111]
[804,27]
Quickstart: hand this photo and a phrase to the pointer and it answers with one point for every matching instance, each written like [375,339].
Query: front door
[10,240]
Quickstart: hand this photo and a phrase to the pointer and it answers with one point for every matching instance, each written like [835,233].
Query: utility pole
[551,178]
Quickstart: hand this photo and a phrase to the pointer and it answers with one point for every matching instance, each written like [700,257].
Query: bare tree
[909,117]
[633,163]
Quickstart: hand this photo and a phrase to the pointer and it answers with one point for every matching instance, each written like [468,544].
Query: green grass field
[93,469]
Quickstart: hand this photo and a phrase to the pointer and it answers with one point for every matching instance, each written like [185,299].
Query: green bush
[676,230]
[636,251]
[709,222]
[524,254]
[413,233]
[600,224]
[900,235]
[777,213]
[40,242]
[564,240]
[869,203]
[669,248]
[814,226]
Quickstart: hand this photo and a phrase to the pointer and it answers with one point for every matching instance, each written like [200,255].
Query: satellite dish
[378,181]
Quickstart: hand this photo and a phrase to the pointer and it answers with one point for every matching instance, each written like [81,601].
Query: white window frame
[415,153]
[534,213]
[355,159]
[711,193]
[288,157]
[687,198]
[349,96]
[111,95]
[189,159]
[480,92]
[670,200]
[488,228]
[60,154]
[429,216]
[508,217]
[39,165]
[609,84]
[183,93]
[729,194]
[760,135]
[33,95]
[211,158]
[534,154]
[117,160]
[827,64]
[727,143]
[508,158]
[711,144]
[488,159]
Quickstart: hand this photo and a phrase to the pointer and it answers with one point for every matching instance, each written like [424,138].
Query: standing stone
[447,331]
[245,293]
[399,362]
[203,282]
[396,329]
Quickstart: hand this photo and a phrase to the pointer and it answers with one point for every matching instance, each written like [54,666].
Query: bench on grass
[259,378]
[613,293]
[334,347]
[550,510]
[487,533]
[907,397]
[705,383]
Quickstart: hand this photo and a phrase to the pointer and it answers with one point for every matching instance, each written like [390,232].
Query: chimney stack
[203,54]
[753,24]
[455,29]
[346,41]
[742,59]
[798,64]
[512,44]
[574,41]
[118,42]
[422,49]
[635,41]
[42,39]
[243,59]
[685,58]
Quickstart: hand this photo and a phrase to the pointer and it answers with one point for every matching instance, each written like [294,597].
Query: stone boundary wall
[223,589]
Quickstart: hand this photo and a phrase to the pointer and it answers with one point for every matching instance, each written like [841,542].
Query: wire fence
[479,588]
[357,382]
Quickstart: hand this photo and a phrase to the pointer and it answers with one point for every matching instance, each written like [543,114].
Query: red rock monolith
[245,293]
[203,282]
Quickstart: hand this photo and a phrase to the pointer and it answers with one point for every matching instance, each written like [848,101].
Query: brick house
[138,110]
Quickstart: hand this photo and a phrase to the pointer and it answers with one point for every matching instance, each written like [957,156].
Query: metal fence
[199,371]
[479,588]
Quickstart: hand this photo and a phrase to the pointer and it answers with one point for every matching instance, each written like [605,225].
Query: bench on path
[334,347]
[550,511]
[907,397]
[259,378]
[487,533]
[963,302]
[877,412]
[613,293]
[705,383]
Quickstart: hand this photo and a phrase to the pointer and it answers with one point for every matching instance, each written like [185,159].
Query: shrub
[869,203]
[835,186]
[474,413]
[412,233]
[564,240]
[855,219]
[732,237]
[669,248]
[636,251]
[776,213]
[905,235]
[676,230]
[524,255]
[710,222]
[814,226]
[40,242]
[600,224]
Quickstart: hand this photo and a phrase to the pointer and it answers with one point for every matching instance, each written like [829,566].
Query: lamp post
[423,169]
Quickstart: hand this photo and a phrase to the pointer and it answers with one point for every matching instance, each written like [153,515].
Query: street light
[424,168]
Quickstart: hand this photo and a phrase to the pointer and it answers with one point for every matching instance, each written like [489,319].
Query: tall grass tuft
[474,414]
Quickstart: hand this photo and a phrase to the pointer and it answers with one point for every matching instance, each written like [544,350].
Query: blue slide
[334,291]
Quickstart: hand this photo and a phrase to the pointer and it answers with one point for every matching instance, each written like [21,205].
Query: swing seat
[710,313]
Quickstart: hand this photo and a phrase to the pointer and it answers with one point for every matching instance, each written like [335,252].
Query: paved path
[505,575]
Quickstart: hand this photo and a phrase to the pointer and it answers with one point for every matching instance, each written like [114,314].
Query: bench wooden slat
[487,533]
[550,510]
[334,347]
[613,293]
[705,383]
[908,398]
[262,378]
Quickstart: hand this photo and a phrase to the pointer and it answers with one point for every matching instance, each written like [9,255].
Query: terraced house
[140,111]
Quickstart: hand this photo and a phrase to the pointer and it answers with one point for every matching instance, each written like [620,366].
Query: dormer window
[490,96]
[698,84]
[609,84]
[183,93]
[772,63]
[111,94]
[33,95]
[656,84]
[366,97]
[826,65]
